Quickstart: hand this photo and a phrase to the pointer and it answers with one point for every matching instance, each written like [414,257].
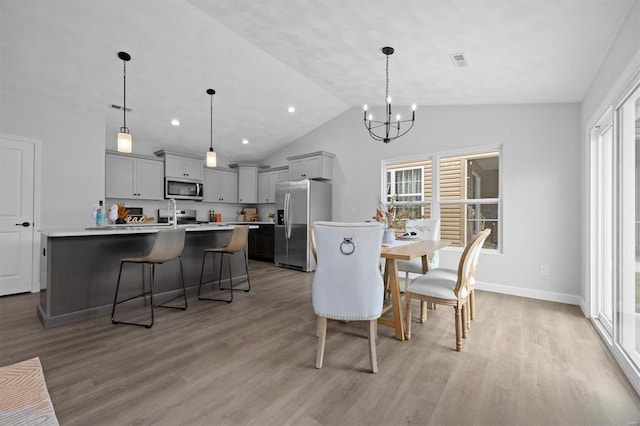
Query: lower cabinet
[260,243]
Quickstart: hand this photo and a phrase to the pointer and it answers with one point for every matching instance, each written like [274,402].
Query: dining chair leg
[423,311]
[407,334]
[322,331]
[458,327]
[373,331]
[472,302]
[465,324]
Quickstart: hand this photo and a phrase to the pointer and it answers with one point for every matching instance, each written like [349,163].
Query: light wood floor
[253,362]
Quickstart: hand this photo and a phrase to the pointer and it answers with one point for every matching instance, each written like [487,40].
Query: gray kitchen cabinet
[133,177]
[283,176]
[248,184]
[267,184]
[182,166]
[260,244]
[263,186]
[316,165]
[220,186]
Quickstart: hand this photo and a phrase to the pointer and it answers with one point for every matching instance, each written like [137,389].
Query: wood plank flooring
[253,362]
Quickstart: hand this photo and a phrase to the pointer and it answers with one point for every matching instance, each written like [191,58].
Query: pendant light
[124,137]
[211,154]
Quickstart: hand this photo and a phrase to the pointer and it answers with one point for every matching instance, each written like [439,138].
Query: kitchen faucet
[173,212]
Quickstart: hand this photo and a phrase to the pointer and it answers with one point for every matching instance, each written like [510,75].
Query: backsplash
[229,211]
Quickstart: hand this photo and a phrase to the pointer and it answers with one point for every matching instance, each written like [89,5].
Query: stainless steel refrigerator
[298,205]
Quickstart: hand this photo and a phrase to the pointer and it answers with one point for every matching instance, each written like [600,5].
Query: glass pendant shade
[211,158]
[124,142]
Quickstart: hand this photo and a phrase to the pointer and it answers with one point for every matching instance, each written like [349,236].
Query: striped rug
[24,399]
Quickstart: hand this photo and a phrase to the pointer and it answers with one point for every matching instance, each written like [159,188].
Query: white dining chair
[437,288]
[426,229]
[347,284]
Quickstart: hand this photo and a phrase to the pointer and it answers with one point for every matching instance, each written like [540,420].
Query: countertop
[144,229]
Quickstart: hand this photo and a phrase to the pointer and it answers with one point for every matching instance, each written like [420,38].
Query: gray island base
[80,269]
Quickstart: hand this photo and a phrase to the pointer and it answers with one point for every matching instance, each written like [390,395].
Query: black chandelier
[391,130]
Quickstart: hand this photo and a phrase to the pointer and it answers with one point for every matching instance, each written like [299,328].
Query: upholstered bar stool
[238,243]
[167,246]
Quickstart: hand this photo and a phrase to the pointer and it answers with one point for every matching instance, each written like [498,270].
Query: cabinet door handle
[25,224]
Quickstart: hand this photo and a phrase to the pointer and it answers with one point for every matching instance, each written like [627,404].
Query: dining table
[402,250]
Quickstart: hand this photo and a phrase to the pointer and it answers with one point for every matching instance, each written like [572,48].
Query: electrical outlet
[544,270]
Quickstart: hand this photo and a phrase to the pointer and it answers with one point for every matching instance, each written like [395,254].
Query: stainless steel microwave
[183,189]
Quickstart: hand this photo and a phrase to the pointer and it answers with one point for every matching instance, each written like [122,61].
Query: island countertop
[140,229]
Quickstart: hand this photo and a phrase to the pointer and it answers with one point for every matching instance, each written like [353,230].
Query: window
[410,183]
[463,190]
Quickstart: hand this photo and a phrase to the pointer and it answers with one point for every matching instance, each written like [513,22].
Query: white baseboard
[570,299]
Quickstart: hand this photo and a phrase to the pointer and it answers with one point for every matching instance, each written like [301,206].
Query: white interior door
[16,215]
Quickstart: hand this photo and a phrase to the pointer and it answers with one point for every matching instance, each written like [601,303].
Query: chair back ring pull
[346,242]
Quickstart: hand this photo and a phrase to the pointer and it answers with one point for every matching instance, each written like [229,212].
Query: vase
[389,237]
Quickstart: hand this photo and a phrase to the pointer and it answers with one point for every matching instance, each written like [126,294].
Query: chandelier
[387,131]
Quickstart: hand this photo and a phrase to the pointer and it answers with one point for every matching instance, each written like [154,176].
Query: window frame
[436,202]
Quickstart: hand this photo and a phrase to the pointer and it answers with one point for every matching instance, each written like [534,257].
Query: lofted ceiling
[320,56]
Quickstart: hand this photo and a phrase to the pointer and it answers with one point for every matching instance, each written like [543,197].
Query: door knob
[25,224]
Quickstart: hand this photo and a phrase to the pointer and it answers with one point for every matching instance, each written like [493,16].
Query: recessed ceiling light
[245,141]
[291,109]
[175,122]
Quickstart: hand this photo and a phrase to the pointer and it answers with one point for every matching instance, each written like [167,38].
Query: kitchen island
[80,268]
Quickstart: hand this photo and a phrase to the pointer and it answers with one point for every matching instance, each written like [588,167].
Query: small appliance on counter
[185,217]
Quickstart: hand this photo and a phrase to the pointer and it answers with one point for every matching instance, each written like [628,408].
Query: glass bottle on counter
[100,215]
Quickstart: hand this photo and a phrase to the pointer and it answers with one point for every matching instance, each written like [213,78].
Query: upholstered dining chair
[347,284]
[451,274]
[426,229]
[167,246]
[440,289]
[238,243]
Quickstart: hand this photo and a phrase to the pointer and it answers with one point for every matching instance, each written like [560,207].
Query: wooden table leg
[394,288]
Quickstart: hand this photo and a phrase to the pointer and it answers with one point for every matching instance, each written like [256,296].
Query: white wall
[541,183]
[620,66]
[72,149]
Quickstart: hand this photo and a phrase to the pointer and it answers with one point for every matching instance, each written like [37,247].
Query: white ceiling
[322,56]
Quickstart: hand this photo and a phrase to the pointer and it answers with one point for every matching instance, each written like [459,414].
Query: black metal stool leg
[184,292]
[246,268]
[115,300]
[212,282]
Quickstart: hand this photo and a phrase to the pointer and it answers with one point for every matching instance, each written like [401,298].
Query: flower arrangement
[390,215]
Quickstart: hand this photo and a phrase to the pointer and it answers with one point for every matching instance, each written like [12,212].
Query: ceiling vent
[458,60]
[119,107]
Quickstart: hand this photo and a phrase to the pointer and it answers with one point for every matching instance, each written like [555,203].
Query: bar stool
[167,246]
[238,242]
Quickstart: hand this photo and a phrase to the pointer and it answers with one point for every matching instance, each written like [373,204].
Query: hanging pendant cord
[124,107]
[386,92]
[211,127]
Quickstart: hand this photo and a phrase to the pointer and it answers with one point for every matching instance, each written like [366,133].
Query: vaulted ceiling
[320,56]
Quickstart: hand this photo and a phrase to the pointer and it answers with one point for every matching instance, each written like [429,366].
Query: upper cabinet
[267,183]
[182,166]
[220,186]
[133,177]
[247,184]
[316,165]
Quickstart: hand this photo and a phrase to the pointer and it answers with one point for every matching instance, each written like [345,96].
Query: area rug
[24,398]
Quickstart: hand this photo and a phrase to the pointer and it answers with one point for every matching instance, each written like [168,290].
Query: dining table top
[411,249]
